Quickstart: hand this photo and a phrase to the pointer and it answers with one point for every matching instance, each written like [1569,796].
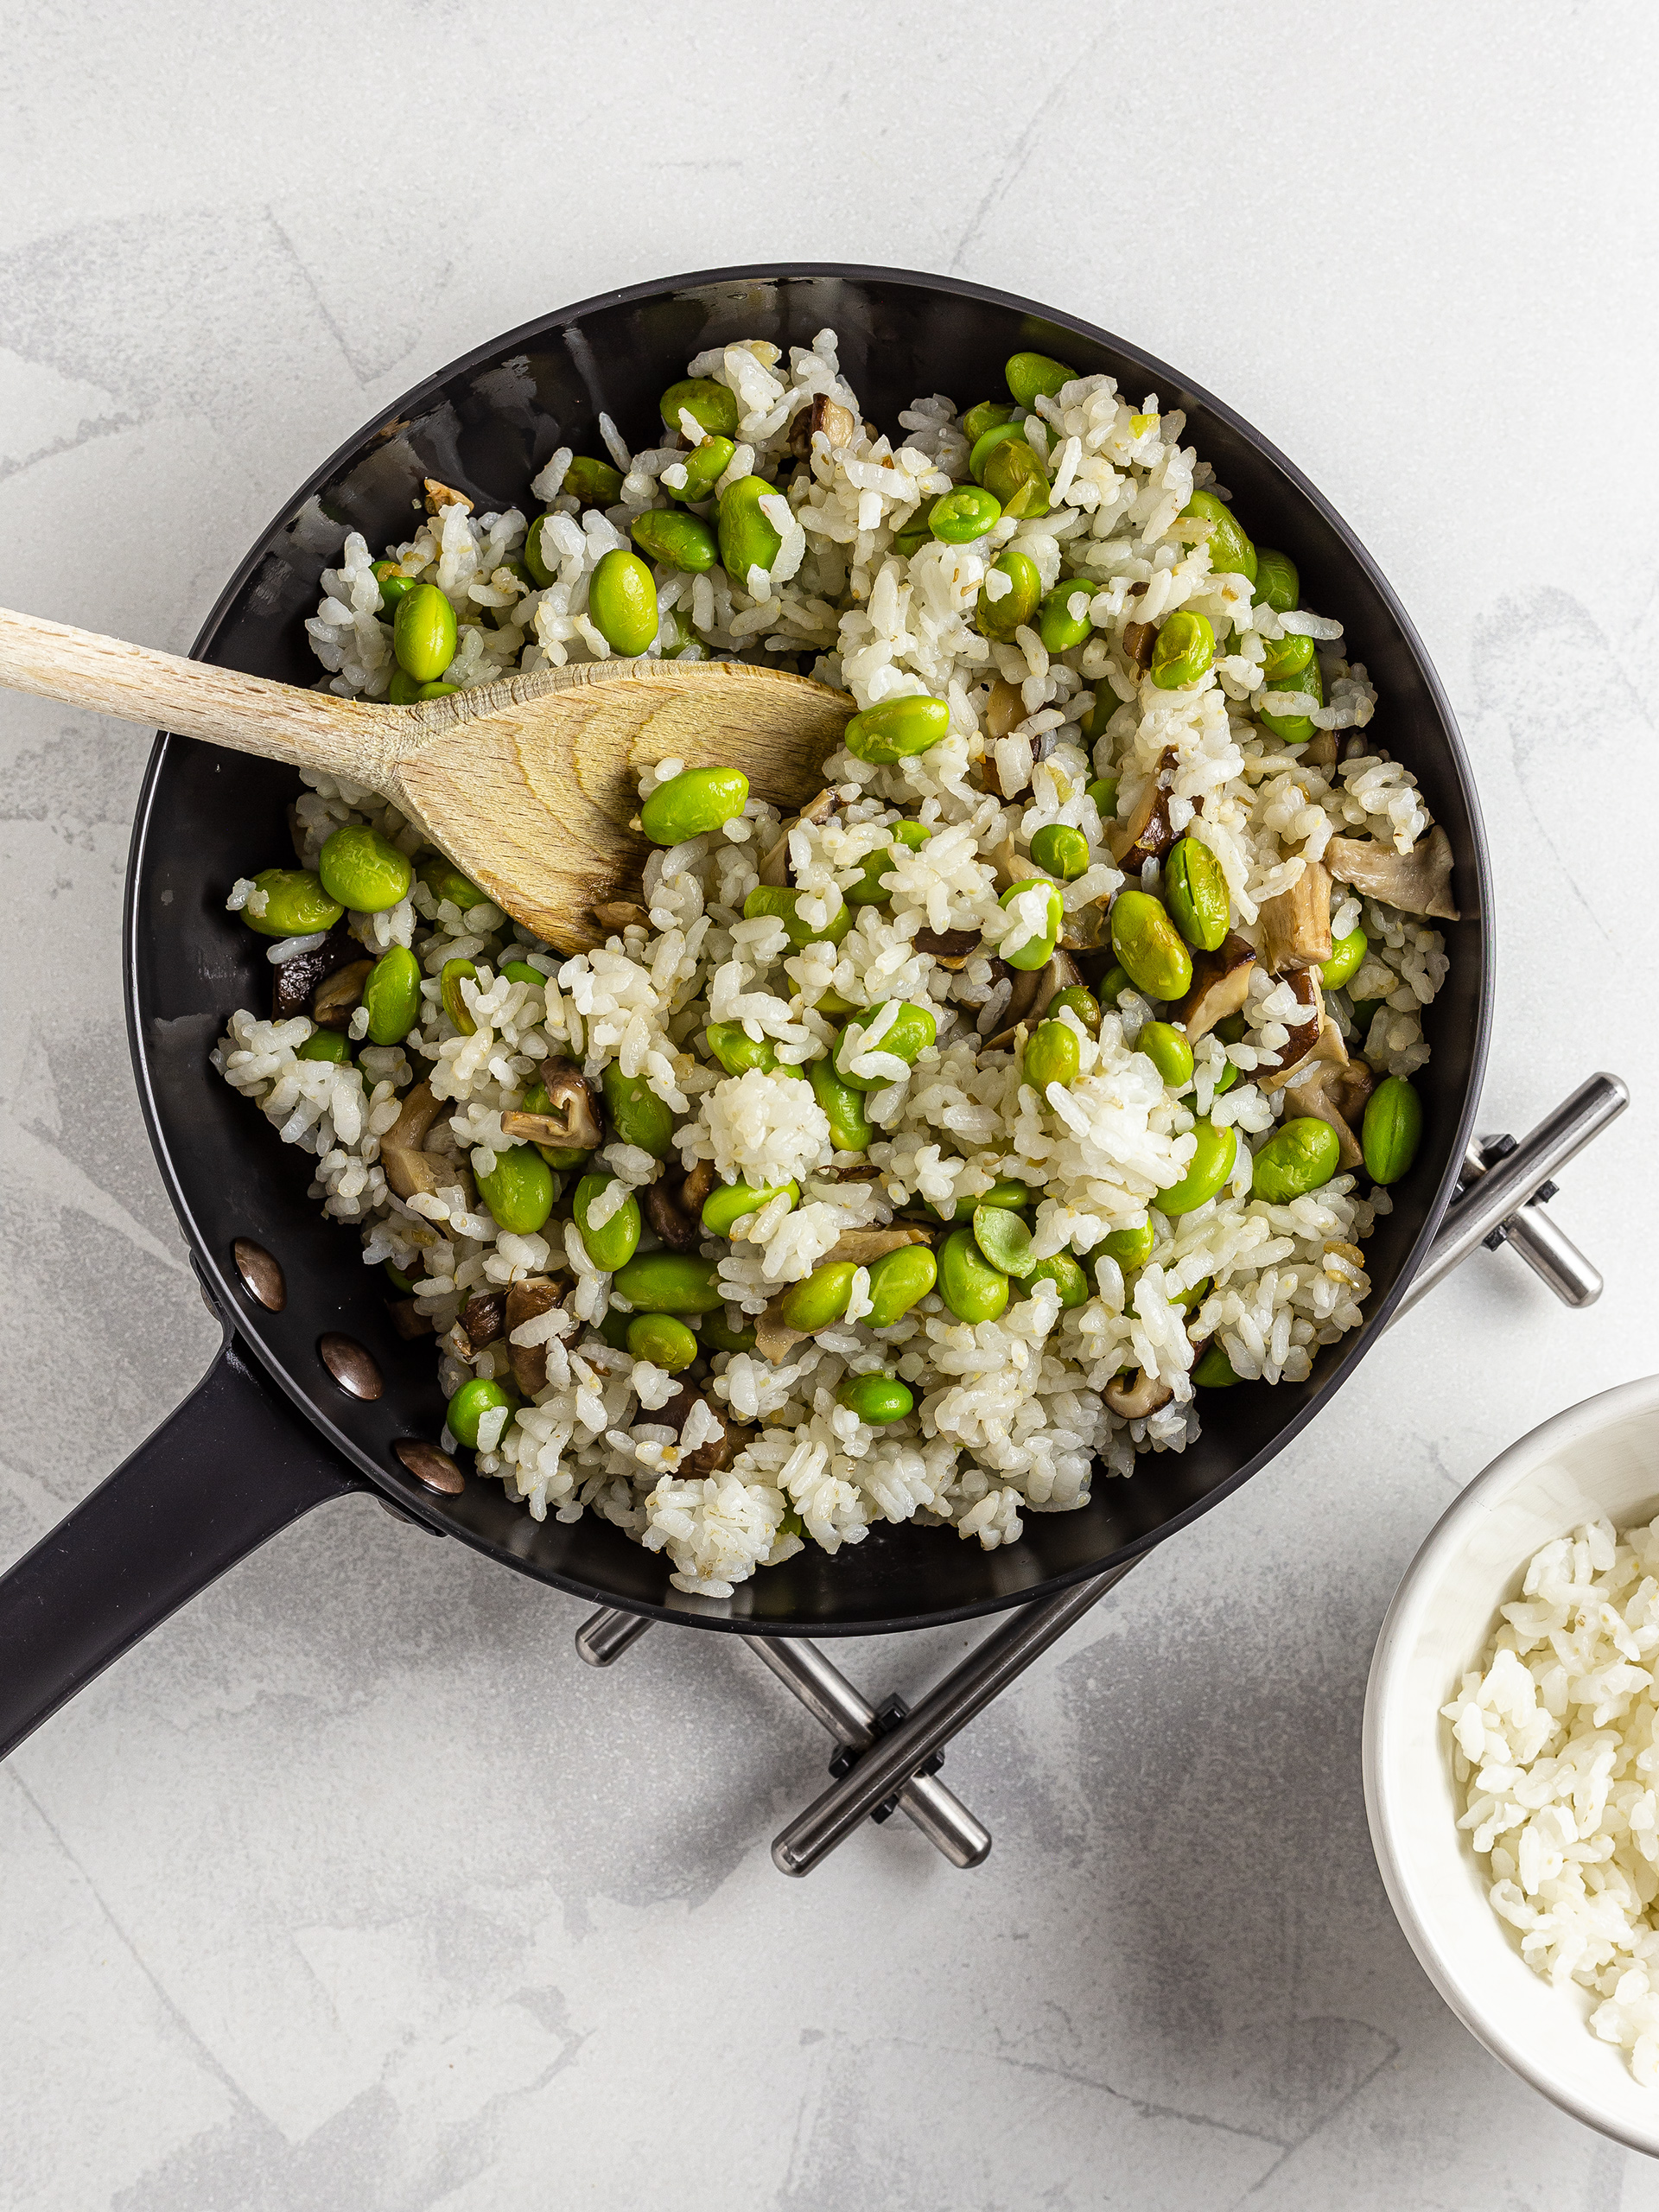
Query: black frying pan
[269,1434]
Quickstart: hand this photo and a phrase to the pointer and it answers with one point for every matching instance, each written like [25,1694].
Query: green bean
[711,405]
[844,1108]
[1052,1056]
[445,881]
[638,1114]
[972,1288]
[1003,1239]
[520,971]
[730,1043]
[664,1341]
[820,1300]
[1232,552]
[912,1029]
[871,888]
[1393,1129]
[1060,850]
[1215,1372]
[402,690]
[1185,650]
[730,1203]
[998,619]
[986,415]
[1168,1051]
[470,1404]
[593,483]
[614,1243]
[675,540]
[898,1280]
[960,516]
[391,992]
[394,584]
[1015,476]
[1297,729]
[1013,431]
[1301,1155]
[1036,951]
[704,466]
[622,602]
[1103,792]
[1207,1173]
[1130,1248]
[1148,948]
[423,635]
[669,1282]
[1032,377]
[1282,658]
[435,691]
[326,1044]
[543,571]
[897,728]
[748,540]
[1276,580]
[773,898]
[1347,956]
[518,1189]
[455,972]
[876,1399]
[363,870]
[291,902]
[1062,618]
[395,1275]
[1076,998]
[694,802]
[1111,986]
[911,535]
[1196,894]
[1068,1277]
[718,1332]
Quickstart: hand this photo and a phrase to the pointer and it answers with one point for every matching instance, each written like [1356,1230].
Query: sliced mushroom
[1322,752]
[1275,1069]
[1417,882]
[420,1109]
[572,1115]
[619,914]
[952,949]
[481,1318]
[293,982]
[1033,990]
[676,1224]
[826,415]
[1325,1092]
[699,1182]
[775,868]
[1134,1395]
[1221,983]
[338,996]
[410,1172]
[524,1300]
[410,1319]
[773,1337]
[439,496]
[1147,836]
[861,1246]
[1139,638]
[1005,709]
[1295,929]
[717,1452]
[1087,927]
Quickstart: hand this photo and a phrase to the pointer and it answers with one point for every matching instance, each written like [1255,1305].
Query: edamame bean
[423,634]
[1062,618]
[520,971]
[844,1108]
[989,442]
[326,1044]
[1076,998]
[876,1399]
[1297,729]
[638,1114]
[1103,792]
[1060,850]
[871,890]
[1168,1051]
[470,1404]
[593,482]
[748,540]
[1067,1277]
[1186,648]
[395,1275]
[1036,951]
[1347,956]
[518,1189]
[1276,580]
[664,1341]
[773,898]
[1130,1248]
[998,619]
[1052,1056]
[622,601]
[455,972]
[1007,1191]
[1232,552]
[821,1300]
[1111,985]
[291,902]
[1284,659]
[730,1203]
[970,1285]
[693,803]
[912,1029]
[1034,376]
[898,1281]
[1015,476]
[1206,1173]
[1299,1156]
[541,571]
[718,1333]
[712,406]
[445,881]
[1196,894]
[402,690]
[673,540]
[435,691]
[959,516]
[669,1282]
[1215,1371]
[1003,1239]
[730,1043]
[704,467]
[391,992]
[913,534]
[1148,948]
[897,728]
[1392,1130]
[986,415]
[394,585]
[614,1243]
[363,870]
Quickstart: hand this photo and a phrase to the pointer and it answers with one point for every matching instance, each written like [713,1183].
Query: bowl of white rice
[1510,1763]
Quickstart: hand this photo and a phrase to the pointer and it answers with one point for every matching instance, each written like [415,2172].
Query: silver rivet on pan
[261,1277]
[351,1366]
[429,1465]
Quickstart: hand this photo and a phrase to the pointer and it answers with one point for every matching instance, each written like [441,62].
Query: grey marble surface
[352,1887]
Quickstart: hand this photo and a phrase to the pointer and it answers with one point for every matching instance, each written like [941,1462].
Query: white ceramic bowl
[1600,1457]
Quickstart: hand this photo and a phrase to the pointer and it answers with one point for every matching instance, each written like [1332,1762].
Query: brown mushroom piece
[410,1319]
[1033,990]
[1147,836]
[1323,1092]
[524,1300]
[952,949]
[1221,983]
[774,1337]
[709,1456]
[1136,1394]
[1295,924]
[481,1318]
[1417,882]
[1139,638]
[619,914]
[836,423]
[775,868]
[1305,1034]
[664,1206]
[572,1117]
[861,1246]
[293,983]
[699,1182]
[337,998]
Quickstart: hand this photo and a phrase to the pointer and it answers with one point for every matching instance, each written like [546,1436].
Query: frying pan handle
[233,1465]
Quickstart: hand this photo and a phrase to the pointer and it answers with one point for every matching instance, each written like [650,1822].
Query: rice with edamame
[1075,1323]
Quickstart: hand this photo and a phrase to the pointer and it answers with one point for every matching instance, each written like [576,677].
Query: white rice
[1552,1737]
[1009,1415]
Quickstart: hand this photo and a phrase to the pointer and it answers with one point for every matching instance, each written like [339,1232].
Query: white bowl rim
[1395,1644]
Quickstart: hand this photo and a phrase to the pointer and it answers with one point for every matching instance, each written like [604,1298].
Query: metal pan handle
[233,1465]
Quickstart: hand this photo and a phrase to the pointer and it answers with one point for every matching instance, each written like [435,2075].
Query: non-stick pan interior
[487,425]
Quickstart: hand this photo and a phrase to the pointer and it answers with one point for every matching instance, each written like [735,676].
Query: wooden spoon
[528,784]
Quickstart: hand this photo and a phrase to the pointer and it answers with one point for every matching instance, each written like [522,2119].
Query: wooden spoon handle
[308,729]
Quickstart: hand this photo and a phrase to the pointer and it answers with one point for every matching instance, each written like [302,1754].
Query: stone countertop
[352,1886]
